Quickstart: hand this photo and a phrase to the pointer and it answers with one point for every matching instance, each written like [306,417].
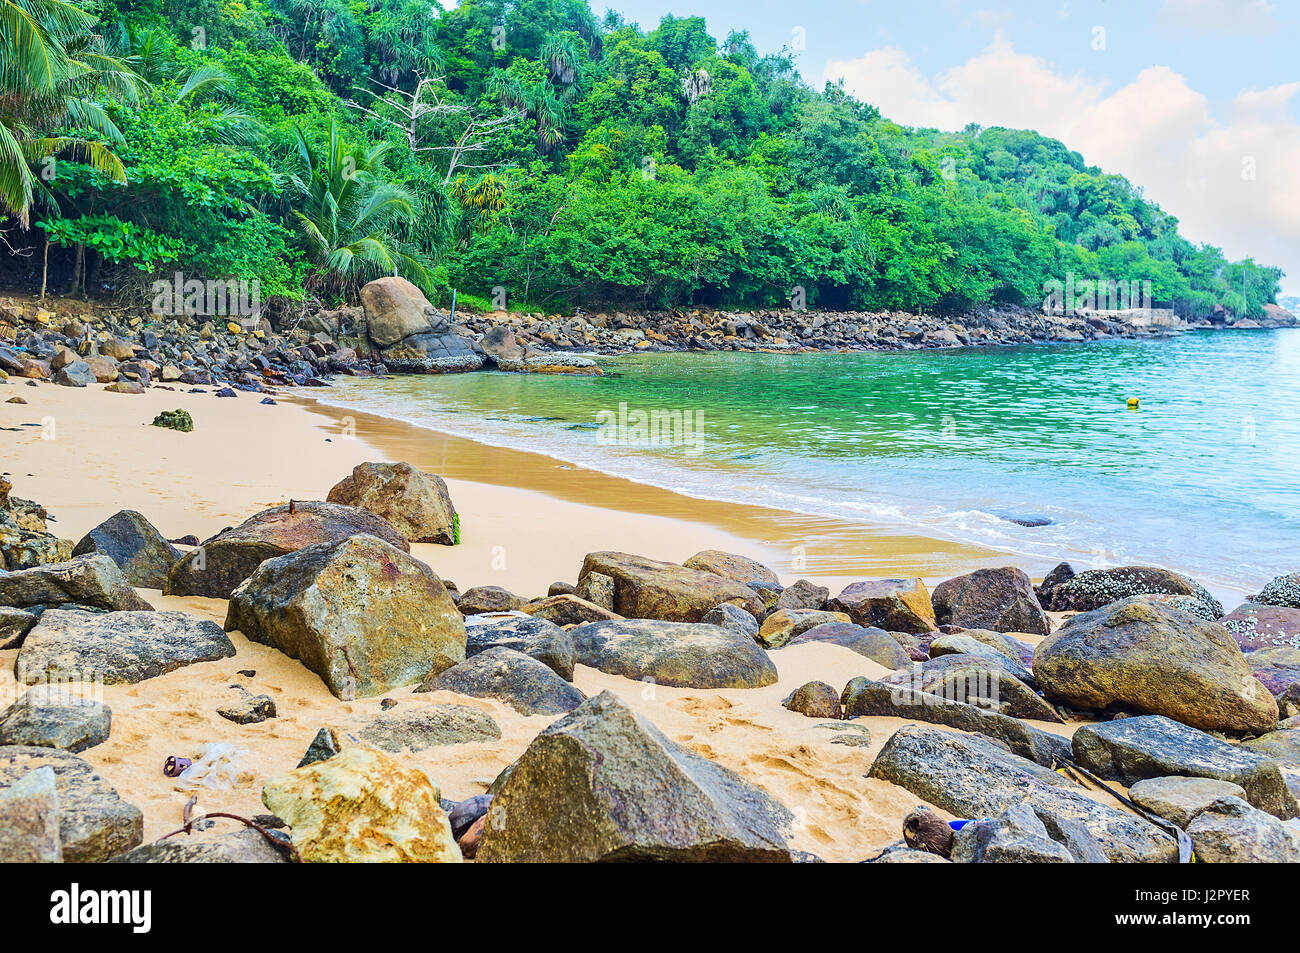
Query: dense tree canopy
[528,146]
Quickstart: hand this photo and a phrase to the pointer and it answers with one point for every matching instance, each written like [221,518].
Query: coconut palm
[53,67]
[351,217]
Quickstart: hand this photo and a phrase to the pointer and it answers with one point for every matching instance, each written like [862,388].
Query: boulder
[568,609]
[360,613]
[1001,600]
[739,569]
[964,645]
[14,626]
[892,604]
[85,581]
[537,638]
[865,697]
[1095,588]
[76,374]
[869,642]
[1180,799]
[1278,669]
[992,682]
[94,823]
[803,595]
[29,820]
[409,334]
[815,700]
[784,624]
[969,776]
[117,648]
[1016,836]
[1263,627]
[522,682]
[1230,831]
[362,806]
[650,589]
[676,654]
[1143,657]
[596,588]
[429,726]
[1015,649]
[1282,591]
[227,559]
[499,344]
[243,846]
[55,716]
[139,550]
[734,618]
[416,504]
[481,599]
[1152,746]
[603,784]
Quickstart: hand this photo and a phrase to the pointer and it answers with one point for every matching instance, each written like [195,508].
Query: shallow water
[1204,477]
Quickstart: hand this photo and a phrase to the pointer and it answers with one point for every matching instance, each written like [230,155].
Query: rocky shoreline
[396,330]
[1022,702]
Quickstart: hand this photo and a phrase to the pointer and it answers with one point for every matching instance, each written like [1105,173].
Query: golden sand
[527,521]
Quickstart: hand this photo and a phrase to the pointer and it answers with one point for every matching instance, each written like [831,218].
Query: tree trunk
[45,267]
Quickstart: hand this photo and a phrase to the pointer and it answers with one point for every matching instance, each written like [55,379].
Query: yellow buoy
[1132,403]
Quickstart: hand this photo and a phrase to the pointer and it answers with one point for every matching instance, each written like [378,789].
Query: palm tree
[52,69]
[537,101]
[350,216]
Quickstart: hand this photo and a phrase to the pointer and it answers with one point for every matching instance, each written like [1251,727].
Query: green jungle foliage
[528,146]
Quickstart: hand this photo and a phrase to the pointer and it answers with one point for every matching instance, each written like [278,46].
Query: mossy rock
[175,420]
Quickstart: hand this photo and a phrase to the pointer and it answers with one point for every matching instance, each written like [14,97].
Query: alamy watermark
[228,297]
[651,428]
[1095,294]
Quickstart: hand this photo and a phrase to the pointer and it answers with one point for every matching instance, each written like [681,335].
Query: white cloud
[1163,135]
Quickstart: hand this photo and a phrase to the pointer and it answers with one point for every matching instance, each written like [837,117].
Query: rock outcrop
[604,784]
[1143,657]
[416,504]
[360,613]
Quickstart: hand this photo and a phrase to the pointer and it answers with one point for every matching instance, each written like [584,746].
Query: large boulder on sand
[1095,588]
[116,648]
[970,776]
[227,559]
[139,550]
[94,823]
[360,613]
[56,716]
[677,654]
[86,581]
[1001,600]
[522,682]
[649,589]
[409,333]
[1140,656]
[895,605]
[363,806]
[604,784]
[1152,746]
[416,504]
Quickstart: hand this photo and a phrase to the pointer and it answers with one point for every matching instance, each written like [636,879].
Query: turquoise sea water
[1204,477]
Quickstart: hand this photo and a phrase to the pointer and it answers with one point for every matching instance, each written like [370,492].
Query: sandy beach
[92,453]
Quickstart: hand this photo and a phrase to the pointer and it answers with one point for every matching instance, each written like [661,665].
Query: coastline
[245,456]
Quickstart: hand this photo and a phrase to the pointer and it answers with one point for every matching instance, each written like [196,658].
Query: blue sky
[1197,101]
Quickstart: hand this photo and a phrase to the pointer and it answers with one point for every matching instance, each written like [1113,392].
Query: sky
[1195,101]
